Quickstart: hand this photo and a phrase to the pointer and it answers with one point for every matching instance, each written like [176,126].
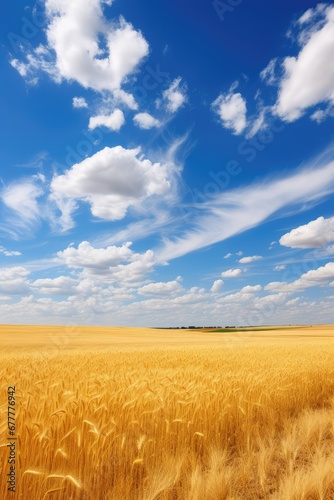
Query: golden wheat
[148,420]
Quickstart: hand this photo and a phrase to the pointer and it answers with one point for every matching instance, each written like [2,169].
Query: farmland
[144,414]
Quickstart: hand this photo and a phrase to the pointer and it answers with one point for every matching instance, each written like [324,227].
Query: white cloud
[231,109]
[312,13]
[21,200]
[187,309]
[321,114]
[245,295]
[20,67]
[268,73]
[146,121]
[238,298]
[111,181]
[216,286]
[62,285]
[315,234]
[114,121]
[9,253]
[98,259]
[175,96]
[248,260]
[13,280]
[63,222]
[21,197]
[309,77]
[121,96]
[88,49]
[133,274]
[93,297]
[169,288]
[9,273]
[228,255]
[251,289]
[114,263]
[292,302]
[231,273]
[232,212]
[280,267]
[257,124]
[79,102]
[318,277]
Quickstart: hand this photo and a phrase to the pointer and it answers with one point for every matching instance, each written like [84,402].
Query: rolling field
[143,414]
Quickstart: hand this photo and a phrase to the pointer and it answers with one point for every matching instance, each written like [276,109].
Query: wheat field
[143,414]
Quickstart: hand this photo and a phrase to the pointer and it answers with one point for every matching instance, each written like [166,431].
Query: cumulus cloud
[231,109]
[246,294]
[62,285]
[228,255]
[114,263]
[238,298]
[174,97]
[216,286]
[315,234]
[251,289]
[13,280]
[99,259]
[114,121]
[168,288]
[308,78]
[231,273]
[248,260]
[135,272]
[111,181]
[292,302]
[92,298]
[317,277]
[9,253]
[79,102]
[88,49]
[146,121]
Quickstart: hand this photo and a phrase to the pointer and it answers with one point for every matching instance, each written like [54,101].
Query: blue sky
[167,164]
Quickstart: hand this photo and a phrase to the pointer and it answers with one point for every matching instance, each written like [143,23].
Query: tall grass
[188,423]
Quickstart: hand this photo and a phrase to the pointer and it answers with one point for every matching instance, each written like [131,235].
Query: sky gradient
[167,164]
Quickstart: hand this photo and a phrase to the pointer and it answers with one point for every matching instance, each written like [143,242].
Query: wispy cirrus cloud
[235,211]
[22,211]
